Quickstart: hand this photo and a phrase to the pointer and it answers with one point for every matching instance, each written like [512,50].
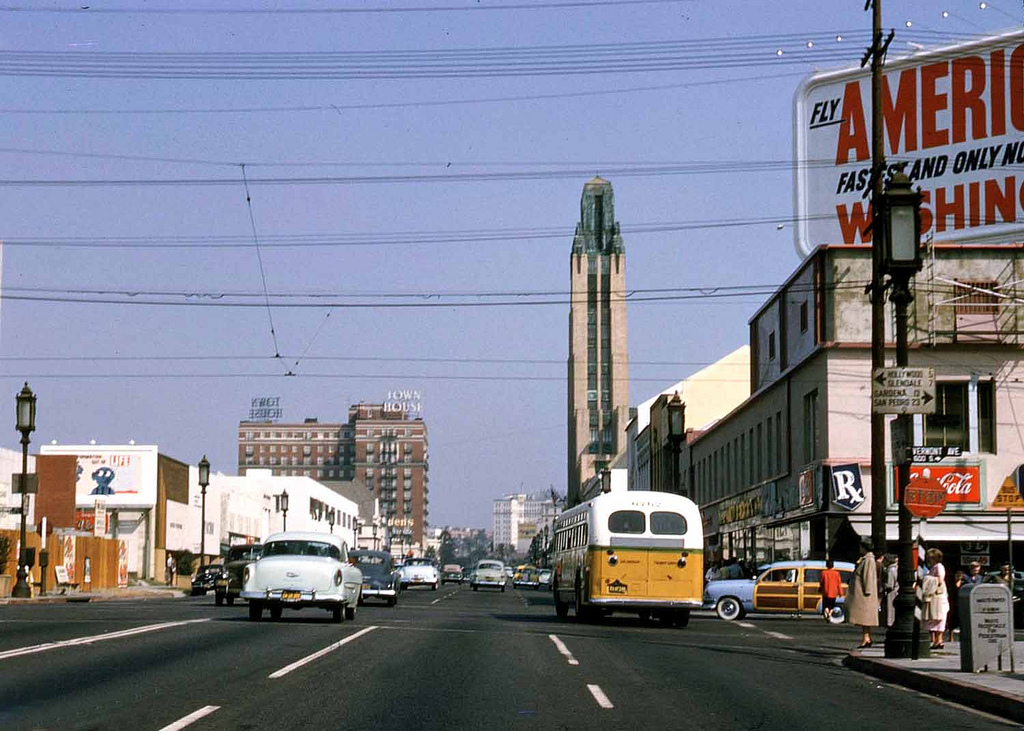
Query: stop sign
[925,497]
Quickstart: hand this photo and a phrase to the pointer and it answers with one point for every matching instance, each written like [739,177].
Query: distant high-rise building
[520,517]
[382,448]
[598,386]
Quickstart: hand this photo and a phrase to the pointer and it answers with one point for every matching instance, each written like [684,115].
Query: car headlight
[245,575]
[338,577]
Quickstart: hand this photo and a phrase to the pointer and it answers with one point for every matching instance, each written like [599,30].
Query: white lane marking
[599,696]
[746,625]
[437,600]
[320,653]
[190,718]
[564,650]
[777,635]
[95,638]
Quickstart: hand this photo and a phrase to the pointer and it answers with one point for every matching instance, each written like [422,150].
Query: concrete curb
[83,598]
[968,694]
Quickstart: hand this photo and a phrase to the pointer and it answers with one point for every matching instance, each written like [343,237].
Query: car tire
[338,614]
[255,611]
[475,587]
[392,601]
[503,590]
[837,615]
[645,615]
[561,609]
[681,618]
[275,611]
[350,612]
[729,608]
[218,599]
[434,587]
[230,600]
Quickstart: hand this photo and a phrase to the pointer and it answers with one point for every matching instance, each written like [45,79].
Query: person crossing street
[831,587]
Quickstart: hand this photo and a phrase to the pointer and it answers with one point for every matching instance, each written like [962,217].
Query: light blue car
[789,587]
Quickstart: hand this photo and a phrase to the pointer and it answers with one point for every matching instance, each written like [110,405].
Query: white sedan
[299,569]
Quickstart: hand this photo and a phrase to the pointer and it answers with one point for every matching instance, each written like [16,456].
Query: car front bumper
[489,583]
[367,591]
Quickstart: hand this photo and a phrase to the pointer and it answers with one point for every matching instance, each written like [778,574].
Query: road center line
[190,718]
[746,625]
[32,649]
[777,635]
[564,650]
[320,653]
[599,696]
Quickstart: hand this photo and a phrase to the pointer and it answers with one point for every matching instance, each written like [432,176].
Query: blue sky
[499,426]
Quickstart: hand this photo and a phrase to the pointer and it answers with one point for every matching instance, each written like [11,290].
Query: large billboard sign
[119,478]
[955,116]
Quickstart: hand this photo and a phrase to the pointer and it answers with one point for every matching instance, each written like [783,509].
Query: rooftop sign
[265,408]
[954,115]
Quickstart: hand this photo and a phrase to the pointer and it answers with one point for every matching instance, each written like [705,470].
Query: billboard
[119,477]
[954,115]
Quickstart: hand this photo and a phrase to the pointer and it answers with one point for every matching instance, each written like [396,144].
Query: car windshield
[489,565]
[302,548]
[371,564]
[244,553]
[419,562]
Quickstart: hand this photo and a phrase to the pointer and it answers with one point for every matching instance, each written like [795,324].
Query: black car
[229,583]
[206,578]
[380,576]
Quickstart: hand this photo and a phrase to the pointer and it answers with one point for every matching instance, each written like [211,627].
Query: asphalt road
[450,659]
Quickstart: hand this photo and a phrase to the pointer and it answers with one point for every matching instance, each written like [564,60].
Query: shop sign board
[118,477]
[740,509]
[951,115]
[847,486]
[806,485]
[987,626]
[903,390]
[962,482]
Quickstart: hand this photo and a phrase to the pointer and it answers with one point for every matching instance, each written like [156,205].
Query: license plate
[366,586]
[417,580]
[291,596]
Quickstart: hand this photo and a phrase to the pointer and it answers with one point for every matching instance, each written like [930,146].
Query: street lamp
[330,519]
[676,433]
[26,424]
[901,260]
[204,480]
[283,506]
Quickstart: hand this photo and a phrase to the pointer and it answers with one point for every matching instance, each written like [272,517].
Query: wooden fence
[99,553]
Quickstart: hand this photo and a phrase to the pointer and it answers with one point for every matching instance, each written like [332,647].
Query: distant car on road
[206,578]
[544,579]
[489,574]
[380,577]
[299,569]
[789,587]
[451,572]
[229,583]
[509,573]
[420,572]
[526,577]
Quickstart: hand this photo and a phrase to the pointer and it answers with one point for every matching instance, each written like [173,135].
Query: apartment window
[803,316]
[810,426]
[751,466]
[273,448]
[950,425]
[778,443]
[771,345]
[760,454]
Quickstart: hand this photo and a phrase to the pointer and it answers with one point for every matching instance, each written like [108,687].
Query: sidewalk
[106,595]
[1000,694]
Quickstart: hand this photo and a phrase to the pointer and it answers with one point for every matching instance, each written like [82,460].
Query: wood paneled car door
[777,591]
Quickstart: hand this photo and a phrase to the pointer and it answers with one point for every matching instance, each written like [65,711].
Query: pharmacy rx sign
[954,116]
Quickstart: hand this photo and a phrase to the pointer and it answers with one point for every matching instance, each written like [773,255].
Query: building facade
[382,448]
[598,366]
[520,517]
[786,474]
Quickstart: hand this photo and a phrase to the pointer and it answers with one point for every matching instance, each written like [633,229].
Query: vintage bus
[636,551]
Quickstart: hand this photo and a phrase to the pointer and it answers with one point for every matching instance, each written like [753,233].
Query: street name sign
[31,482]
[903,390]
[987,633]
[931,455]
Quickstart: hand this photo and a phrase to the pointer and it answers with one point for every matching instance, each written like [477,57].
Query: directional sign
[1008,498]
[926,455]
[903,391]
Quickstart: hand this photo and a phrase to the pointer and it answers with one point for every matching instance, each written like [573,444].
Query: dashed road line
[746,625]
[777,635]
[564,650]
[32,649]
[449,595]
[190,718]
[320,653]
[599,696]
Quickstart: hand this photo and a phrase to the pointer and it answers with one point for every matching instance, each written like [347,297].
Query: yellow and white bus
[634,551]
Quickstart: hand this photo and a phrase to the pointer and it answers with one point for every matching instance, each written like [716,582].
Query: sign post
[1009,499]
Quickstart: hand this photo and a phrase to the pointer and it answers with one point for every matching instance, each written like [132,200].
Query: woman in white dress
[936,598]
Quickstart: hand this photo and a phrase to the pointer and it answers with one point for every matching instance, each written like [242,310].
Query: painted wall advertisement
[67,550]
[122,564]
[954,116]
[116,477]
[962,482]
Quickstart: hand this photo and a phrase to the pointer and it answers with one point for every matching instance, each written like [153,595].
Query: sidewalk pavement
[998,693]
[105,595]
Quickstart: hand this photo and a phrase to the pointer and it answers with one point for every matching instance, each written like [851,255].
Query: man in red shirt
[831,587]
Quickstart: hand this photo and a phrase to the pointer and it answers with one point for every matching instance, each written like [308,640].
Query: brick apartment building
[381,447]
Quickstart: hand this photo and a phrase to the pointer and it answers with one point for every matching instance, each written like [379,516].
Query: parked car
[526,577]
[299,569]
[420,572]
[509,573]
[380,577]
[451,572]
[206,579]
[489,574]
[783,587]
[544,579]
[229,584]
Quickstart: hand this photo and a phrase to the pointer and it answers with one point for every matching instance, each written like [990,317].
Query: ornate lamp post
[330,519]
[901,260]
[26,424]
[204,481]
[676,433]
[283,504]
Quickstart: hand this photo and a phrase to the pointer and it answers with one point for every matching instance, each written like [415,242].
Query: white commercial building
[10,502]
[520,517]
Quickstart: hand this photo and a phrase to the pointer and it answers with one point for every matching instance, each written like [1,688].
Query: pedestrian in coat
[959,580]
[862,599]
[890,588]
[974,577]
[936,598]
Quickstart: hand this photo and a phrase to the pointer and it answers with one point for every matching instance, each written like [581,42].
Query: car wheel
[681,618]
[475,587]
[338,614]
[582,613]
[350,612]
[503,590]
[230,599]
[837,615]
[645,615]
[434,587]
[275,611]
[729,608]
[561,608]
[392,601]
[255,611]
[218,599]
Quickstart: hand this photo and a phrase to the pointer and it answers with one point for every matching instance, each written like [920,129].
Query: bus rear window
[627,521]
[667,524]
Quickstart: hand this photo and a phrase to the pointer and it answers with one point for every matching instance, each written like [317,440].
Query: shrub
[184,562]
[5,552]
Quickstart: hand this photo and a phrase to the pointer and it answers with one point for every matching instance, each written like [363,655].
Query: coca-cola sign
[962,483]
